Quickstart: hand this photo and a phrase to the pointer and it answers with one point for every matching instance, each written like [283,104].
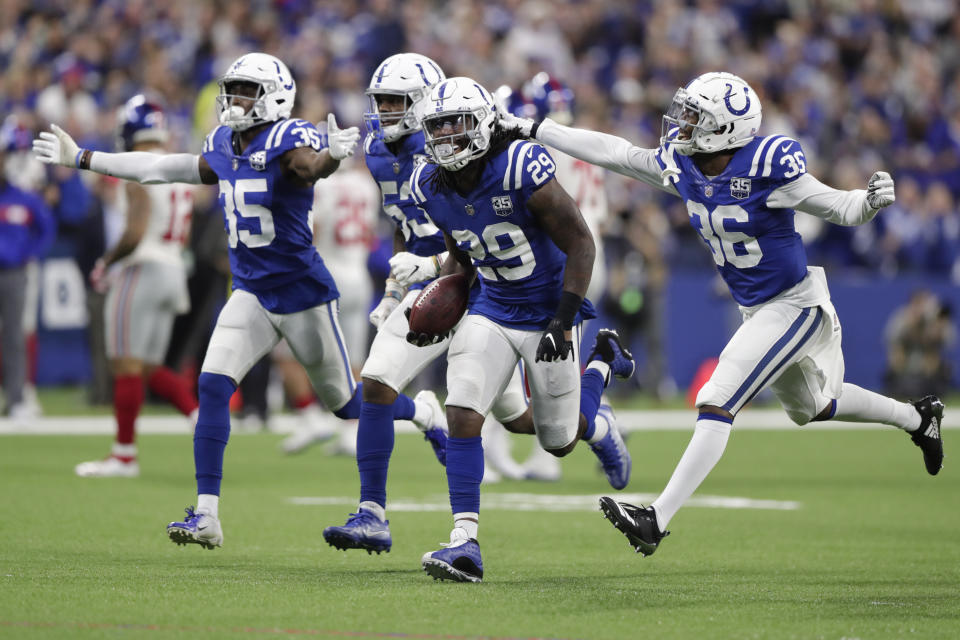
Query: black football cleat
[927,437]
[609,348]
[639,524]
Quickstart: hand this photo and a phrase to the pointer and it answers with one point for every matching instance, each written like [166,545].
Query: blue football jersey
[267,218]
[757,249]
[392,173]
[520,268]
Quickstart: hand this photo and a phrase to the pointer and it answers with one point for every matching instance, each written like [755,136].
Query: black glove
[553,345]
[423,339]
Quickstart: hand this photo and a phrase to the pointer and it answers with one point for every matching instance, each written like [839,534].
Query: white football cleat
[438,417]
[542,466]
[314,428]
[197,528]
[111,467]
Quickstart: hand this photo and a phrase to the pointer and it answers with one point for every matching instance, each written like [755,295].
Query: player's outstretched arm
[57,147]
[602,149]
[847,208]
[309,165]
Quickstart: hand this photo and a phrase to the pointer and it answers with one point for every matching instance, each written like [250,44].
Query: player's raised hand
[343,142]
[509,122]
[554,345]
[56,148]
[880,190]
[408,268]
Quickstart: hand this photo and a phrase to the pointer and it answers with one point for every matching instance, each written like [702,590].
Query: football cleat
[313,429]
[459,560]
[610,349]
[109,467]
[612,451]
[363,530]
[197,528]
[542,466]
[435,430]
[928,437]
[639,524]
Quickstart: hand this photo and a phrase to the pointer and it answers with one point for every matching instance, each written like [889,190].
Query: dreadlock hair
[442,180]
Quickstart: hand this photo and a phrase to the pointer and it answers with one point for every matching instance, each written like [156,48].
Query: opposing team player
[741,191]
[265,164]
[506,218]
[147,291]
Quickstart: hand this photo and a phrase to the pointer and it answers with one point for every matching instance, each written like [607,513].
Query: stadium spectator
[918,336]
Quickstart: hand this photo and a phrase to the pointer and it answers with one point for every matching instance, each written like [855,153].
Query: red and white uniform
[585,184]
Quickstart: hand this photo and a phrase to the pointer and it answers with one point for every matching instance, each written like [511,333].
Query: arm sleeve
[604,150]
[148,168]
[809,195]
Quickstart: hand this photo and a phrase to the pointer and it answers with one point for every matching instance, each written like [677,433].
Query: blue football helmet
[541,97]
[140,120]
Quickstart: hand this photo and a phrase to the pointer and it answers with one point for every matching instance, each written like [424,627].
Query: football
[440,305]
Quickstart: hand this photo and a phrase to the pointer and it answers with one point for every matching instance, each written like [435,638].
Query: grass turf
[872,552]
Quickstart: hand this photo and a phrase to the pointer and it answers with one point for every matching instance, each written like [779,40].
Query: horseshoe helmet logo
[746,104]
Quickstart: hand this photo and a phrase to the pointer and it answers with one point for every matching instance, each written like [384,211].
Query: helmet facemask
[453,139]
[715,112]
[393,124]
[685,123]
[230,102]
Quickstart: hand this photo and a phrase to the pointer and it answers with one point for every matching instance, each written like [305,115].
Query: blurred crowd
[862,84]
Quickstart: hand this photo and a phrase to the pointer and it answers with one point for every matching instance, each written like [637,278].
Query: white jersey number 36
[733,247]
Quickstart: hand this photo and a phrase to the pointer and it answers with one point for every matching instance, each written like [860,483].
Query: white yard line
[662,420]
[547,502]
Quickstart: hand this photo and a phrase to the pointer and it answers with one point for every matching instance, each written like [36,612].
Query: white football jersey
[168,229]
[345,210]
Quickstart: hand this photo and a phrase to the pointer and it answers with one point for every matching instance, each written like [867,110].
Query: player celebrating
[146,294]
[741,192]
[265,164]
[498,205]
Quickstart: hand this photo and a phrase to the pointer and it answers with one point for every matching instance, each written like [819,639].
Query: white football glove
[383,310]
[408,268]
[56,148]
[342,142]
[880,190]
[509,122]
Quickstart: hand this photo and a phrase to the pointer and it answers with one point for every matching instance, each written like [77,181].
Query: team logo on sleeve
[502,205]
[740,188]
[258,160]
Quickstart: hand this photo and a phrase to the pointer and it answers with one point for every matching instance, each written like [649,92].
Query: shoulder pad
[208,142]
[368,143]
[417,179]
[292,134]
[778,157]
[528,165]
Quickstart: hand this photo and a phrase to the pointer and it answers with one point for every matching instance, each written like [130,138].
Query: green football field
[861,544]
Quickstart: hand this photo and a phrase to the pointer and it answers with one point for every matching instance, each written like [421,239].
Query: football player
[265,164]
[505,218]
[741,191]
[146,290]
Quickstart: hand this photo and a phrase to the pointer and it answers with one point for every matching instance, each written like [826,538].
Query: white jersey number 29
[723,243]
[235,204]
[479,250]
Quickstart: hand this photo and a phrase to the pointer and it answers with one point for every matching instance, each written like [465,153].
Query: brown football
[440,305]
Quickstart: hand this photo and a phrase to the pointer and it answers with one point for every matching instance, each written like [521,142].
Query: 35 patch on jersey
[502,205]
[740,188]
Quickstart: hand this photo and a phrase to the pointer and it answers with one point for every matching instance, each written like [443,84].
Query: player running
[265,164]
[505,217]
[741,191]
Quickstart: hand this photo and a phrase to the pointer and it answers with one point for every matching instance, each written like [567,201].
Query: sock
[591,388]
[469,522]
[404,408]
[375,438]
[351,410]
[213,431]
[127,400]
[173,388]
[124,452]
[602,368]
[702,454]
[856,404]
[209,504]
[304,401]
[373,508]
[464,473]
